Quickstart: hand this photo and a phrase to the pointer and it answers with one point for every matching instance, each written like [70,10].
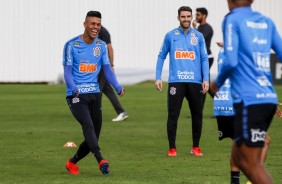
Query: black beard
[181,24]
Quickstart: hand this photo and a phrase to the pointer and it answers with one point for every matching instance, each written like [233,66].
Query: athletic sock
[98,156]
[75,159]
[235,177]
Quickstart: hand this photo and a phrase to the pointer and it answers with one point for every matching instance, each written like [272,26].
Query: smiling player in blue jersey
[248,39]
[188,77]
[83,58]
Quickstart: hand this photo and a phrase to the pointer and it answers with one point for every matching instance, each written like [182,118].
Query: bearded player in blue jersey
[248,39]
[188,77]
[83,58]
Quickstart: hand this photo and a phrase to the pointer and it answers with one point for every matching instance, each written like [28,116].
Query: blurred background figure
[105,87]
[200,23]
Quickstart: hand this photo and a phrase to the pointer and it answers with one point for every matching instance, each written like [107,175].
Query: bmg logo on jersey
[87,67]
[184,55]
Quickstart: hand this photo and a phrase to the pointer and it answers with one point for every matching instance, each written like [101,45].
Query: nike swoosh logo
[80,51]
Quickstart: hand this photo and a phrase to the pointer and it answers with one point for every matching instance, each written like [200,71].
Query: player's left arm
[109,74]
[111,54]
[276,43]
[205,64]
[231,45]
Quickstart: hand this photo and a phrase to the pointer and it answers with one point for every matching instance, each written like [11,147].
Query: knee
[87,126]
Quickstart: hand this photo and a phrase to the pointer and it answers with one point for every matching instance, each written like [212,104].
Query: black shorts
[225,125]
[252,122]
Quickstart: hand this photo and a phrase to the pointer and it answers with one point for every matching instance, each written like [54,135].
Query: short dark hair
[93,14]
[203,11]
[184,8]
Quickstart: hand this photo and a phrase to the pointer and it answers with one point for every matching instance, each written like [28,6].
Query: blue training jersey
[248,39]
[86,60]
[223,103]
[188,57]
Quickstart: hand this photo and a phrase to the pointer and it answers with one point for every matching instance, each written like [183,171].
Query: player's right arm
[160,62]
[276,43]
[68,75]
[231,47]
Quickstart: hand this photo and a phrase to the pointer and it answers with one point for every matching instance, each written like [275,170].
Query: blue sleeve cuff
[69,79]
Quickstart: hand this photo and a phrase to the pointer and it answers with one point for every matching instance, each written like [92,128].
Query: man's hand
[278,112]
[75,91]
[122,92]
[213,88]
[194,24]
[159,85]
[205,87]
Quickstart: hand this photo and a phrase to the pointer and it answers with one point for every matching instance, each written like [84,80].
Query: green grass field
[35,124]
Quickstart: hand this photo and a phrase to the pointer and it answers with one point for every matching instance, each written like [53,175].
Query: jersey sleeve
[105,56]
[204,59]
[231,46]
[276,43]
[67,55]
[162,56]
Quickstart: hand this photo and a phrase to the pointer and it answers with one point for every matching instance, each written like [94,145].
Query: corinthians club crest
[194,40]
[172,90]
[97,51]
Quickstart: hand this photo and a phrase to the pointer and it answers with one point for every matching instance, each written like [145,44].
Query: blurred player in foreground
[248,39]
[225,116]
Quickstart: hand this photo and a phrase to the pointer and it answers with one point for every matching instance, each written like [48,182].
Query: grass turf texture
[36,123]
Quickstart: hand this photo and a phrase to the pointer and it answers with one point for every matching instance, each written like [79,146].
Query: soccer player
[105,87]
[248,38]
[188,77]
[207,31]
[83,58]
[225,116]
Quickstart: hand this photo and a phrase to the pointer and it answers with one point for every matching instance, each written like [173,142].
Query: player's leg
[96,113]
[102,80]
[225,126]
[235,172]
[80,110]
[252,123]
[175,99]
[96,116]
[195,98]
[211,59]
[249,161]
[109,92]
[82,151]
[265,148]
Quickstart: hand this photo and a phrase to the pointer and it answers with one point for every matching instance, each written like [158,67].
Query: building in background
[34,33]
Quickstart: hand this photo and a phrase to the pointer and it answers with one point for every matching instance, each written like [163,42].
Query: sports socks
[98,156]
[76,157]
[235,177]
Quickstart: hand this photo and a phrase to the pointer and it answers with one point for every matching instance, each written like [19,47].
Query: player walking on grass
[225,116]
[83,58]
[188,77]
[104,86]
[248,38]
